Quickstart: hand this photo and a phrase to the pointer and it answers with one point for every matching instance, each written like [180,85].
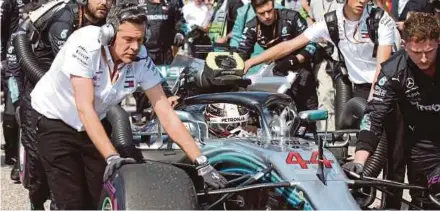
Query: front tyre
[149,186]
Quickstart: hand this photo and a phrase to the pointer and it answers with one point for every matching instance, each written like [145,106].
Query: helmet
[223,118]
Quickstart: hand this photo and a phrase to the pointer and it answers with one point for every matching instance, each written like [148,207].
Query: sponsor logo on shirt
[157,17]
[129,84]
[365,123]
[81,55]
[432,107]
[63,33]
[382,81]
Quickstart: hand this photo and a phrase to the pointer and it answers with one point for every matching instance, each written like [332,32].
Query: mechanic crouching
[410,78]
[272,26]
[87,77]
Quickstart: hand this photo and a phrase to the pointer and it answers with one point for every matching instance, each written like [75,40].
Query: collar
[109,59]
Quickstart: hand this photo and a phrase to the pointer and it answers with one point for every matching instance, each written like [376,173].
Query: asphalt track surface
[14,196]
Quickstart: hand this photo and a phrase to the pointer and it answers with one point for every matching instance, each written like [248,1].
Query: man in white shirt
[355,44]
[326,91]
[197,13]
[97,68]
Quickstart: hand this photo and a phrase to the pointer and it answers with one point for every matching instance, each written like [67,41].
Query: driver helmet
[223,118]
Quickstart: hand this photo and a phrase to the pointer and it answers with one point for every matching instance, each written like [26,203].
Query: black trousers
[10,129]
[424,158]
[73,165]
[36,180]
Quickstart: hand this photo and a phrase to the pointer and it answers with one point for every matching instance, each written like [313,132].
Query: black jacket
[165,19]
[289,24]
[417,94]
[9,22]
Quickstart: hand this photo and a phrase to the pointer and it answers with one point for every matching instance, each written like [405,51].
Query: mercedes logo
[409,83]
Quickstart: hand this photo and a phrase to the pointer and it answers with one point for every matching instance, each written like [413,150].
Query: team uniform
[288,25]
[402,82]
[56,112]
[52,38]
[356,46]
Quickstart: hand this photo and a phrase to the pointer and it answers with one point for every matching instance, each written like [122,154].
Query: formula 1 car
[282,167]
[276,170]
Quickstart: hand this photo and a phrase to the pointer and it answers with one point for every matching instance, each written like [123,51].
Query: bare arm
[171,122]
[83,92]
[383,53]
[278,51]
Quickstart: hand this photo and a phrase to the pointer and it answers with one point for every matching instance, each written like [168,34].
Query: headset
[118,13]
[82,2]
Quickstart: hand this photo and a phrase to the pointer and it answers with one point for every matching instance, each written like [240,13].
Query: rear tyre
[149,186]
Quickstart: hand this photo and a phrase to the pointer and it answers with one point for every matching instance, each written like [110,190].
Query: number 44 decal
[295,158]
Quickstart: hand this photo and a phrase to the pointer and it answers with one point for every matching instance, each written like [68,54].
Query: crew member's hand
[173,100]
[247,66]
[355,167]
[179,39]
[222,40]
[210,176]
[114,162]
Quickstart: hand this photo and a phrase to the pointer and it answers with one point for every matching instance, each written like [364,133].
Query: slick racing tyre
[149,186]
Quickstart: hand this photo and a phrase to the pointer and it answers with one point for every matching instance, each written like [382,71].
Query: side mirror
[313,115]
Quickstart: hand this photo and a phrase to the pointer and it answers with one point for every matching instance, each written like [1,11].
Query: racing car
[282,167]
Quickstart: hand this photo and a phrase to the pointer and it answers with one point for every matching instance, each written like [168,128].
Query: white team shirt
[357,49]
[82,56]
[196,15]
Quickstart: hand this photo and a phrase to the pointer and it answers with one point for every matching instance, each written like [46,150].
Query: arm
[314,33]
[386,39]
[239,24]
[278,51]
[383,53]
[171,122]
[84,98]
[60,30]
[300,25]
[378,108]
[248,39]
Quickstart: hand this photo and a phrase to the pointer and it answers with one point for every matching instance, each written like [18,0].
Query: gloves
[210,176]
[114,162]
[179,39]
[354,167]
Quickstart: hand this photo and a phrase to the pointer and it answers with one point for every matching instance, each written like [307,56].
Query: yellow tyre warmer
[224,63]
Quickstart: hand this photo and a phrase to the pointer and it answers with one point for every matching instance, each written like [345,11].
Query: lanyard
[324,11]
[114,75]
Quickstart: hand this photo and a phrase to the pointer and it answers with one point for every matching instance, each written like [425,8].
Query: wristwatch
[201,160]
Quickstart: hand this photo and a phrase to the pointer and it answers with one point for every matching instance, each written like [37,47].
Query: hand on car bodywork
[173,100]
[211,177]
[114,162]
[354,167]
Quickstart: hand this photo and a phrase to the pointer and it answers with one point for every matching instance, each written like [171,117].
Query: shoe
[15,173]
